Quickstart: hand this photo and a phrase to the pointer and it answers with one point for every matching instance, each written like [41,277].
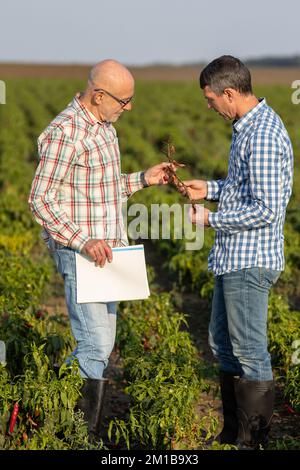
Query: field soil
[260,75]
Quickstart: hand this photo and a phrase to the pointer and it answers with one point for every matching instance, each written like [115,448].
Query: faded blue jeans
[238,325]
[93,324]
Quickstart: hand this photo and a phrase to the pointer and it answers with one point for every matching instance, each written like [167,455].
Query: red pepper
[289,409]
[13,418]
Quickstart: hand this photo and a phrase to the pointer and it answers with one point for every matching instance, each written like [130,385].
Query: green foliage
[164,373]
[22,281]
[161,365]
[285,444]
[47,418]
[284,327]
[190,268]
[20,330]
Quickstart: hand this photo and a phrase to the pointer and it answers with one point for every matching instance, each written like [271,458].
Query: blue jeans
[238,325]
[93,324]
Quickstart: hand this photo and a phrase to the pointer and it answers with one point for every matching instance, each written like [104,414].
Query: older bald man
[77,195]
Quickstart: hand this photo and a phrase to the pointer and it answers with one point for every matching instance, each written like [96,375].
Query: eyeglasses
[123,103]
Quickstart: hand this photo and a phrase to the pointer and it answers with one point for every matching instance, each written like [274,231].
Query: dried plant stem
[173,178]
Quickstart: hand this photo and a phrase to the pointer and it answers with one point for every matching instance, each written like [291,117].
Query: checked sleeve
[264,165]
[57,155]
[131,183]
[214,189]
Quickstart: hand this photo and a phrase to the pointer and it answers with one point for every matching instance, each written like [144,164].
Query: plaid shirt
[78,189]
[253,197]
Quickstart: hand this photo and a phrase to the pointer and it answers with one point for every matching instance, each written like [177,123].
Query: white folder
[125,278]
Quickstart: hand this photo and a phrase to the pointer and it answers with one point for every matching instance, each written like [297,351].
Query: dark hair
[226,72]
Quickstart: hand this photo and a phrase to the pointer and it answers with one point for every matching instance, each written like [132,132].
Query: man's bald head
[109,91]
[111,75]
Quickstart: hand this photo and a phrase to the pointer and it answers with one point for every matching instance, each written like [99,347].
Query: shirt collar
[85,113]
[245,120]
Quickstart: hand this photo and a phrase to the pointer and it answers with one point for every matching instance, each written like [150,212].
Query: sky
[139,32]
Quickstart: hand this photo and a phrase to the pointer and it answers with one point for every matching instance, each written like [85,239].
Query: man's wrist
[206,222]
[143,180]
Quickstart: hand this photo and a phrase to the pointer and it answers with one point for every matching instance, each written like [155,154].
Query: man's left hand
[199,216]
[157,174]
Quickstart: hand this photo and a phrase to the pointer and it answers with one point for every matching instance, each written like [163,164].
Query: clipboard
[125,278]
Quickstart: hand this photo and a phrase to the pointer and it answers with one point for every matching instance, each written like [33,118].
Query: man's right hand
[197,189]
[98,250]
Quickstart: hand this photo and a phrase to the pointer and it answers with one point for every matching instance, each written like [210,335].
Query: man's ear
[97,98]
[230,94]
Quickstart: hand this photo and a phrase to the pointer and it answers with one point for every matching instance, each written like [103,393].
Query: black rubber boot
[229,433]
[91,403]
[255,403]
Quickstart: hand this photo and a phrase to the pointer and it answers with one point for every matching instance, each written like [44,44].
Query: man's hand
[157,174]
[197,189]
[199,215]
[98,250]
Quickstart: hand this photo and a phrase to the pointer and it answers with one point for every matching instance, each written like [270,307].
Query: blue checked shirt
[253,197]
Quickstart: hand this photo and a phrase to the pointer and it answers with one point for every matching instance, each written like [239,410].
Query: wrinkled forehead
[124,86]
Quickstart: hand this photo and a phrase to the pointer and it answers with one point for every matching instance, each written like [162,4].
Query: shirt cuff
[78,241]
[135,181]
[212,190]
[214,219]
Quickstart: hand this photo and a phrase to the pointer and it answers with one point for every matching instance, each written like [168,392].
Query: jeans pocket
[268,277]
[56,259]
[54,246]
[66,263]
